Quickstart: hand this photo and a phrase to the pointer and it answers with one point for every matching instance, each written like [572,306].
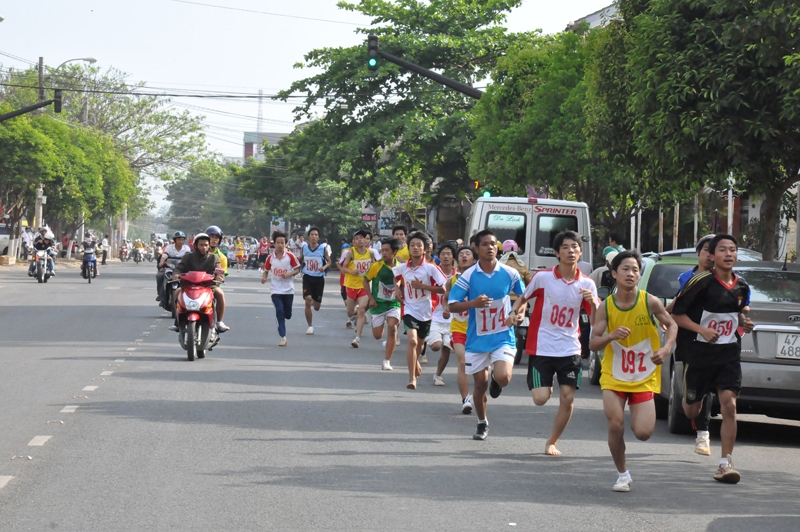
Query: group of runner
[464,305]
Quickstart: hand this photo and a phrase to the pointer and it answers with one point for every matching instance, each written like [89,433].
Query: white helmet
[49,235]
[201,236]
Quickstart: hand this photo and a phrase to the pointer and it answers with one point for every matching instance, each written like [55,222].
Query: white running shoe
[623,484]
[438,381]
[355,341]
[283,342]
[310,331]
[702,445]
[386,366]
[423,359]
[466,405]
[383,343]
[727,473]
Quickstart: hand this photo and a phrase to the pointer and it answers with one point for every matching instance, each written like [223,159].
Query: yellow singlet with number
[360,263]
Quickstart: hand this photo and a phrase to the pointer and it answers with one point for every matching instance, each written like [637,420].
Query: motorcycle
[148,256]
[40,270]
[123,255]
[196,311]
[136,255]
[89,264]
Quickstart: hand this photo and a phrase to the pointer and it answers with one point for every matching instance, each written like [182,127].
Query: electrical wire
[266,13]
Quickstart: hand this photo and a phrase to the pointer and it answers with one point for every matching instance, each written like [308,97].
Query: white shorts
[379,319]
[440,332]
[476,362]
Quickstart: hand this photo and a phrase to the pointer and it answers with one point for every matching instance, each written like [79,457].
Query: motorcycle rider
[44,241]
[138,247]
[90,243]
[202,260]
[172,253]
[215,235]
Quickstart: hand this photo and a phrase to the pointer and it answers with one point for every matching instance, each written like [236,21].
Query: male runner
[632,353]
[358,260]
[440,338]
[458,329]
[384,306]
[415,281]
[399,232]
[486,287]
[316,261]
[284,266]
[554,337]
[708,310]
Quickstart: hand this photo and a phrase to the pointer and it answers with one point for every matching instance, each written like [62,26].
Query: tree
[715,90]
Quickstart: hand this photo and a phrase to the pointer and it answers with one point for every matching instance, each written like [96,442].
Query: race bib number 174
[492,320]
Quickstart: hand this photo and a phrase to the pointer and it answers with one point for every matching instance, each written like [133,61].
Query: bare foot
[550,449]
[419,370]
[412,385]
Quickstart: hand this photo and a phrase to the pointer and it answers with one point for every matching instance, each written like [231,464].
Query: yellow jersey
[626,365]
[403,255]
[360,263]
[458,322]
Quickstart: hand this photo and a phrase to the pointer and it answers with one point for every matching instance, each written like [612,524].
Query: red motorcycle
[196,312]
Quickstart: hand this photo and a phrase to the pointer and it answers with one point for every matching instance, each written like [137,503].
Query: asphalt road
[314,436]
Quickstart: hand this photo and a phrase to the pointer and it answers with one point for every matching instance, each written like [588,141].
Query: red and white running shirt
[280,266]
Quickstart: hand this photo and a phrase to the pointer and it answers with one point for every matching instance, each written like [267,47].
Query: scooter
[40,270]
[89,264]
[136,255]
[196,311]
[148,256]
[123,255]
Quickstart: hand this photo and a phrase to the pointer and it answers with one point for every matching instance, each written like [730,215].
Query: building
[598,18]
[253,142]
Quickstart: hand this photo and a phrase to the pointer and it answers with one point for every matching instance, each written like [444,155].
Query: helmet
[510,245]
[214,230]
[178,234]
[201,236]
[49,235]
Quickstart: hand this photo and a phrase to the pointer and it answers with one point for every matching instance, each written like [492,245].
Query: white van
[533,223]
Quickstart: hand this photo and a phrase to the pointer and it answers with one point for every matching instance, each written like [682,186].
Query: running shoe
[349,324]
[383,343]
[423,359]
[466,405]
[482,432]
[283,342]
[158,298]
[702,445]
[494,389]
[173,328]
[438,381]
[623,484]
[310,331]
[355,341]
[221,327]
[386,366]
[727,473]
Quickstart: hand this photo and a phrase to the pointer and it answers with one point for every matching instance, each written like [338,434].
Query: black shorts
[262,259]
[423,328]
[314,287]
[697,382]
[344,293]
[541,371]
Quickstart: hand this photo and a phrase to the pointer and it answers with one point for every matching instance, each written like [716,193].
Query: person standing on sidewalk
[284,266]
[105,250]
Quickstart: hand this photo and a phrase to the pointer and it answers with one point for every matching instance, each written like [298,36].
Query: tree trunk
[770,214]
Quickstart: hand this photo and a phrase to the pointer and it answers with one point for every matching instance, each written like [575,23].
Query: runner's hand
[263,279]
[747,325]
[587,295]
[398,295]
[620,333]
[372,302]
[482,301]
[418,285]
[446,314]
[710,335]
[659,356]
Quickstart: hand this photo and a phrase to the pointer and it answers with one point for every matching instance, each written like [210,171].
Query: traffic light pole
[24,110]
[438,78]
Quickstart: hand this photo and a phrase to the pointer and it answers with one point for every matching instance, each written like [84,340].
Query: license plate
[788,346]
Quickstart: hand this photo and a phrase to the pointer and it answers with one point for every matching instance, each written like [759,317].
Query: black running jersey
[709,302]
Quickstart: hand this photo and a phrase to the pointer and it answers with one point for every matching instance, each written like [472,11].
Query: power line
[267,13]
[18,58]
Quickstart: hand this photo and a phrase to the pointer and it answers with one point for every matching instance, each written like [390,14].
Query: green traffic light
[486,194]
[372,62]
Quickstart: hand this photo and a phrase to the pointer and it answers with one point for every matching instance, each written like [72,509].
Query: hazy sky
[180,46]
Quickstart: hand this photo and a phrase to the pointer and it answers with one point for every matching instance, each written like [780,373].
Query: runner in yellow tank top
[358,259]
[625,331]
[465,259]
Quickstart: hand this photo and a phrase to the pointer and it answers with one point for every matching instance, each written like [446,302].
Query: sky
[181,46]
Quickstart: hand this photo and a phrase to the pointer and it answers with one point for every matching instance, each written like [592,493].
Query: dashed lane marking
[120,360]
[90,388]
[131,349]
[106,373]
[38,441]
[139,340]
[4,480]
[111,288]
[69,409]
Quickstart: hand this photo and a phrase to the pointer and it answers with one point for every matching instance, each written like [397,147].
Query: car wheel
[594,368]
[677,422]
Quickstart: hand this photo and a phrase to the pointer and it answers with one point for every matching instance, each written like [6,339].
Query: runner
[708,310]
[554,334]
[415,281]
[399,232]
[376,253]
[467,257]
[384,306]
[440,338]
[238,248]
[632,355]
[340,264]
[315,259]
[484,291]
[358,259]
[263,252]
[284,266]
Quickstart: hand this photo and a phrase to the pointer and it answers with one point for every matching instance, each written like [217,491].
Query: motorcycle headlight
[193,304]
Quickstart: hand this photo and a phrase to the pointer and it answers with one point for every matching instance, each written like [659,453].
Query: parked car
[770,355]
[4,239]
[744,254]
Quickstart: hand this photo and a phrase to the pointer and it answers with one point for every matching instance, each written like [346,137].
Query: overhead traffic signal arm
[56,101]
[372,64]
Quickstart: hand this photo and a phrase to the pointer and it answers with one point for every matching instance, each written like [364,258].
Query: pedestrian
[384,306]
[104,243]
[27,242]
[284,266]
[554,338]
[415,281]
[624,330]
[614,244]
[316,261]
[440,339]
[709,310]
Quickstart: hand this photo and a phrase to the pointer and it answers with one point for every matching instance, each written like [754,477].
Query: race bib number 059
[724,323]
[492,320]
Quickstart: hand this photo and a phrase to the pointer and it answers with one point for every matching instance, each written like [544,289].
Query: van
[533,224]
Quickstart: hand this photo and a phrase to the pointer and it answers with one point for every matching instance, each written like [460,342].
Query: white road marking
[131,349]
[4,480]
[120,360]
[38,441]
[146,333]
[111,288]
[90,388]
[107,373]
[69,409]
[139,340]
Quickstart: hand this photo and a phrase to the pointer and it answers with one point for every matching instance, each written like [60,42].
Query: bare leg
[351,307]
[643,419]
[566,398]
[362,317]
[614,407]
[727,432]
[309,317]
[463,379]
[220,298]
[501,372]
[444,358]
[391,337]
[481,380]
[411,357]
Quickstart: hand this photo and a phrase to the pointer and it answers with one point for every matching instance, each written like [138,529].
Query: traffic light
[476,184]
[372,52]
[486,193]
[57,101]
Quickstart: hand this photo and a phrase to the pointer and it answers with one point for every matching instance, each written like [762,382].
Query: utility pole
[676,222]
[37,213]
[41,79]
